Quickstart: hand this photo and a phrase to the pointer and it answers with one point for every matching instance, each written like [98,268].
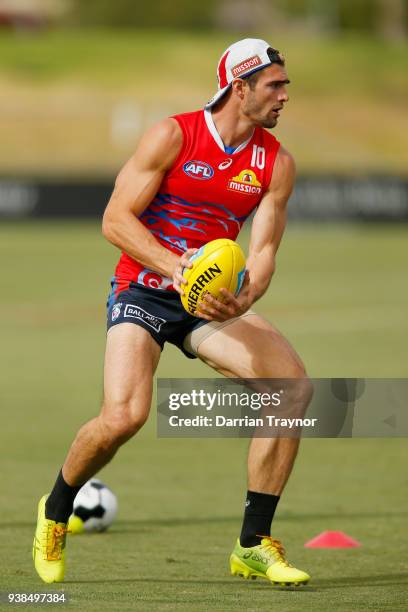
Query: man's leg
[252,348]
[130,362]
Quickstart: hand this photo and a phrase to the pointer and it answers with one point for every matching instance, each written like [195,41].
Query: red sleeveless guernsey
[207,194]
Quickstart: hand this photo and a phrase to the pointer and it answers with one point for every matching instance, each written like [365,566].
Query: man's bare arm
[266,234]
[135,187]
[269,225]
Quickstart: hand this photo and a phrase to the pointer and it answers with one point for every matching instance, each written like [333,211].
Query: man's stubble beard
[253,112]
[269,123]
[266,122]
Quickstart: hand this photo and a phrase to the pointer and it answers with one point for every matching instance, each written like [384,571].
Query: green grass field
[340,295]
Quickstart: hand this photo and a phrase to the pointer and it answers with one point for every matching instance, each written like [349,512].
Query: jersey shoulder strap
[189,123]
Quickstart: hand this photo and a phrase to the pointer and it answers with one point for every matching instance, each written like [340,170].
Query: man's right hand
[183,262]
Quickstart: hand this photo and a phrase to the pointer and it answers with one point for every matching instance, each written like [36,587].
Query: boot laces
[275,547]
[55,540]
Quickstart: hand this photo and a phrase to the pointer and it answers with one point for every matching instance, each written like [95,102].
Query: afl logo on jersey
[198,170]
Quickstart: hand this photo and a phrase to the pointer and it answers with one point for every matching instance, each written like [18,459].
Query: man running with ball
[195,177]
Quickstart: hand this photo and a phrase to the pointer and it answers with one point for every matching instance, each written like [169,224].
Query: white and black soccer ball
[95,508]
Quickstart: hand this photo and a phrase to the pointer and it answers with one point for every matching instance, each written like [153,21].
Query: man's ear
[238,87]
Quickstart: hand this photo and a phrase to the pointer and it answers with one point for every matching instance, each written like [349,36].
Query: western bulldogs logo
[116,311]
[198,170]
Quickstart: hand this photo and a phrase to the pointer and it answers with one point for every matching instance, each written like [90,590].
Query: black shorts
[158,311]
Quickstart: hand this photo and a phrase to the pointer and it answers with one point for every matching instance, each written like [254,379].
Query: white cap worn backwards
[242,59]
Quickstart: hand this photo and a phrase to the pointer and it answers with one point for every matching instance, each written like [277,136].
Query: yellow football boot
[49,546]
[267,560]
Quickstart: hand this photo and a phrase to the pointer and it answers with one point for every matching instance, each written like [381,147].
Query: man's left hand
[212,309]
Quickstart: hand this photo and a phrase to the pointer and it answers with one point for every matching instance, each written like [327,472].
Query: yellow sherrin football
[218,264]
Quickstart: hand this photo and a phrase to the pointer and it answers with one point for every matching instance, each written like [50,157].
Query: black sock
[59,504]
[259,511]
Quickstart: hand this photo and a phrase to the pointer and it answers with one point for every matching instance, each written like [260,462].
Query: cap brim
[220,93]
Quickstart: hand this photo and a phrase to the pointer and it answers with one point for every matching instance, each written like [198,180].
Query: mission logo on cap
[242,59]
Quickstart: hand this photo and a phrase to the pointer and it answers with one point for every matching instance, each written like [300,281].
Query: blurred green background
[78,92]
[80,81]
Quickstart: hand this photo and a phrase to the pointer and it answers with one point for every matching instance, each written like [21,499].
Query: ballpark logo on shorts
[245,182]
[135,312]
[248,64]
[116,311]
[198,170]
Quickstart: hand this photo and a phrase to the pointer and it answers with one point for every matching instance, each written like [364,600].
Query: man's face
[263,103]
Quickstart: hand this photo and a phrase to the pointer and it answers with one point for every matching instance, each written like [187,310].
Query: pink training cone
[332,539]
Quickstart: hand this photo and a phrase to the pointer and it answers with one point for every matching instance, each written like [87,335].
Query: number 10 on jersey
[258,157]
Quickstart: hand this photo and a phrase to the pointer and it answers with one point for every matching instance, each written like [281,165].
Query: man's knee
[302,391]
[120,421]
[292,378]
[285,365]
